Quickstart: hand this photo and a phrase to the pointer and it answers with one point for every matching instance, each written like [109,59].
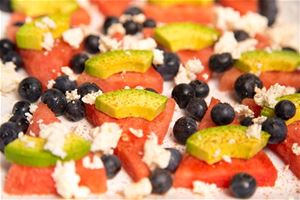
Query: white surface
[287,186]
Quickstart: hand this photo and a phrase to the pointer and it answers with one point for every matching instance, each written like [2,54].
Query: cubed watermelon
[243,6]
[111,7]
[228,78]
[291,79]
[252,105]
[12,29]
[79,17]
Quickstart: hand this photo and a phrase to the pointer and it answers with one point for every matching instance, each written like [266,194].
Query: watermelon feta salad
[152,91]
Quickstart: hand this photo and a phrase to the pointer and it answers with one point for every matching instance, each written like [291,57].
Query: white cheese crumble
[28,116]
[106,137]
[67,181]
[134,42]
[73,37]
[83,131]
[139,189]
[243,110]
[72,95]
[137,132]
[107,43]
[154,154]
[50,84]
[49,22]
[69,72]
[226,18]
[202,188]
[217,153]
[158,57]
[264,97]
[254,130]
[92,163]
[184,76]
[116,28]
[281,34]
[24,139]
[252,23]
[139,87]
[48,41]
[296,149]
[227,159]
[140,18]
[194,65]
[90,98]
[55,135]
[10,79]
[32,108]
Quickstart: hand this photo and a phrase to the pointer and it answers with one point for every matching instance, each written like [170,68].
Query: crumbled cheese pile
[32,108]
[45,22]
[139,189]
[106,137]
[48,41]
[158,57]
[137,132]
[67,181]
[116,28]
[134,42]
[10,79]
[243,110]
[154,154]
[254,130]
[264,97]
[107,43]
[281,35]
[90,98]
[189,72]
[72,95]
[296,149]
[93,162]
[73,37]
[69,72]
[227,158]
[83,131]
[202,188]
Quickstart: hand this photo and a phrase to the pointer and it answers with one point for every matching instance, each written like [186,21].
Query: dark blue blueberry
[269,9]
[109,20]
[8,133]
[174,160]
[220,62]
[30,89]
[289,49]
[201,88]
[112,165]
[133,11]
[5,6]
[19,23]
[182,94]
[196,108]
[161,181]
[244,86]
[170,67]
[75,111]
[91,44]
[151,90]
[222,114]
[183,128]
[77,62]
[285,109]
[132,27]
[277,128]
[63,83]
[87,88]
[242,185]
[21,107]
[247,121]
[55,100]
[149,23]
[240,35]
[6,46]
[13,56]
[21,122]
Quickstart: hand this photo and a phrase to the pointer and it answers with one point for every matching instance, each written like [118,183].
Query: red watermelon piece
[130,148]
[192,169]
[149,79]
[243,6]
[111,7]
[11,29]
[263,41]
[206,121]
[228,78]
[44,114]
[252,105]
[80,16]
[283,78]
[284,149]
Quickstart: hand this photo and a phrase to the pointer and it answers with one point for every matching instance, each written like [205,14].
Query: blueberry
[289,49]
[285,109]
[91,44]
[87,88]
[182,94]
[133,11]
[75,111]
[161,181]
[112,165]
[19,23]
[220,62]
[21,122]
[242,185]
[8,133]
[222,114]
[149,23]
[201,88]
[277,128]
[196,108]
[63,83]
[269,9]
[21,107]
[6,46]
[247,121]
[174,160]
[240,35]
[5,6]
[30,89]
[55,100]
[131,27]
[77,62]
[109,20]
[151,90]
[13,56]
[183,128]
[170,67]
[244,86]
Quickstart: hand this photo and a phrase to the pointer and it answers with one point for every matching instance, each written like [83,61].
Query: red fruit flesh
[291,79]
[111,7]
[227,80]
[206,121]
[11,29]
[243,6]
[252,105]
[80,17]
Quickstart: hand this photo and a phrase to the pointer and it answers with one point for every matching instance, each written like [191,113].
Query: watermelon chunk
[130,148]
[284,150]
[192,169]
[11,29]
[228,78]
[252,105]
[243,6]
[149,79]
[111,7]
[291,79]
[79,17]
[263,41]
[43,114]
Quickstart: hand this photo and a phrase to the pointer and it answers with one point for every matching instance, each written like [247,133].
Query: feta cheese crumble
[116,28]
[106,137]
[194,65]
[137,132]
[134,42]
[10,79]
[83,131]
[217,153]
[67,181]
[50,84]
[28,116]
[154,154]
[243,110]
[254,130]
[184,76]
[90,98]
[227,159]
[226,18]
[48,41]
[72,95]
[139,189]
[93,162]
[202,188]
[73,37]
[158,57]
[69,72]
[296,149]
[107,43]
